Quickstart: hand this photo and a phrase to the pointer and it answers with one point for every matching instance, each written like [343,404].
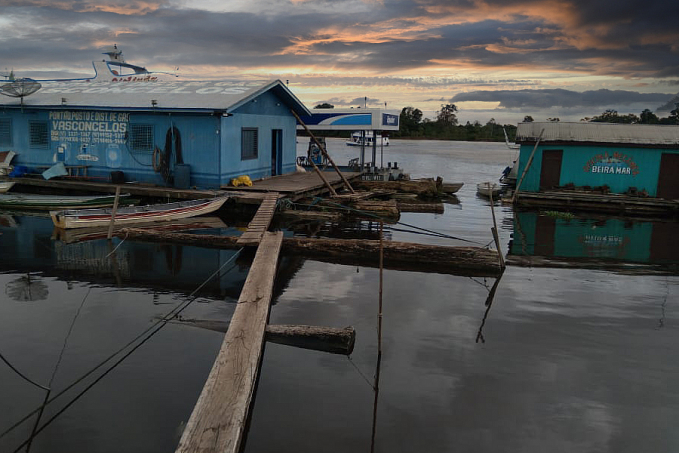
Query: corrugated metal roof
[187,95]
[642,134]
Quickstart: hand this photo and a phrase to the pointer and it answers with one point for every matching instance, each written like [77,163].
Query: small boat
[357,139]
[451,187]
[5,186]
[488,189]
[42,202]
[80,218]
[93,233]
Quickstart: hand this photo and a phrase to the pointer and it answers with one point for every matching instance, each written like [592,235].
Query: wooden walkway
[260,222]
[297,185]
[218,420]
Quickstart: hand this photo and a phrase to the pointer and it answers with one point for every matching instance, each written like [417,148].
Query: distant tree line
[645,117]
[446,126]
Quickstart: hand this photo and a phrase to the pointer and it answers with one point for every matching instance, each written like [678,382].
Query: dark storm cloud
[193,37]
[542,99]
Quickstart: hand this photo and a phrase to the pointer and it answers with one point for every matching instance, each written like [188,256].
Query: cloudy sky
[501,59]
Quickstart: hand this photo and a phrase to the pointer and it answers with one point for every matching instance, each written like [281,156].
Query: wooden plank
[261,221]
[218,420]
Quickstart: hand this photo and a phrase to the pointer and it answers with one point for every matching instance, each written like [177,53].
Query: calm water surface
[562,360]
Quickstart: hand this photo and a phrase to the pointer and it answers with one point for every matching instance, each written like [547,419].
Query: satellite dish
[20,88]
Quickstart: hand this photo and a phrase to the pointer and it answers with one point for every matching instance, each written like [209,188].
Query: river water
[577,356]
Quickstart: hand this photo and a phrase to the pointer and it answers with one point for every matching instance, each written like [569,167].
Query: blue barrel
[182,176]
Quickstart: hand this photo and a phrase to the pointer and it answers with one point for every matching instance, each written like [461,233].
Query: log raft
[467,261]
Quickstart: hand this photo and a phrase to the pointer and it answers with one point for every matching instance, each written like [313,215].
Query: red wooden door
[550,174]
[668,179]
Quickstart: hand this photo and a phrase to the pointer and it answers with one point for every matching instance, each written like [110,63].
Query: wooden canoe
[486,189]
[81,218]
[43,202]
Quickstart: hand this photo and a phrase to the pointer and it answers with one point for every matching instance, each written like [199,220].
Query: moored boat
[5,186]
[80,218]
[488,189]
[49,202]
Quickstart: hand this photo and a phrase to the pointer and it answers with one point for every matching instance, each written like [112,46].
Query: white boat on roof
[80,218]
[357,139]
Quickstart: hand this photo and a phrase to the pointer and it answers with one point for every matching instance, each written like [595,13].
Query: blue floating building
[140,128]
[626,158]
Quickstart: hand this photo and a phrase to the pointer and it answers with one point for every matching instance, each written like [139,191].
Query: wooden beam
[525,170]
[470,261]
[325,153]
[218,420]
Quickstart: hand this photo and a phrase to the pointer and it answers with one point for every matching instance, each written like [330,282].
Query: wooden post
[525,170]
[325,153]
[218,420]
[113,213]
[494,230]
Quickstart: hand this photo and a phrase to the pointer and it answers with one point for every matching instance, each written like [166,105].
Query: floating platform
[600,203]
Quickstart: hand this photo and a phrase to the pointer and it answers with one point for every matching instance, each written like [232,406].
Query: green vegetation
[559,215]
[446,127]
[646,117]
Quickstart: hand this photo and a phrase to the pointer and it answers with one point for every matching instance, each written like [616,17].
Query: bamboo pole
[113,213]
[525,170]
[325,154]
[494,230]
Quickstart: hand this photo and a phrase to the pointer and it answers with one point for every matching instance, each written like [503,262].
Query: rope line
[164,320]
[369,214]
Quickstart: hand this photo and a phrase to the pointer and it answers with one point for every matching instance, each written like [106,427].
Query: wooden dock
[218,420]
[297,185]
[260,222]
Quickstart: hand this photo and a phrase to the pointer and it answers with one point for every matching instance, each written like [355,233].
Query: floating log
[422,187]
[325,339]
[387,209]
[469,261]
[312,215]
[405,205]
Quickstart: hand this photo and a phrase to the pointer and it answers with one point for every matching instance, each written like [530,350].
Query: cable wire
[164,320]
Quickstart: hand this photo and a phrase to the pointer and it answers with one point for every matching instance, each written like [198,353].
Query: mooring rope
[157,326]
[370,214]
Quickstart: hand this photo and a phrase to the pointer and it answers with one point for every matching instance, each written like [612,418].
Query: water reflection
[588,241]
[27,288]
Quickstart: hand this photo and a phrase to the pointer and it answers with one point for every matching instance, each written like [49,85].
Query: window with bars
[5,132]
[249,143]
[38,134]
[141,138]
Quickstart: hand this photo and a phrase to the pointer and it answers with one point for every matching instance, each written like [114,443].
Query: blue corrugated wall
[266,113]
[211,144]
[578,162]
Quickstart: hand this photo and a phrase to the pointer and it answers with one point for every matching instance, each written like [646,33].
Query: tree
[648,117]
[528,119]
[674,115]
[325,105]
[554,120]
[447,115]
[410,121]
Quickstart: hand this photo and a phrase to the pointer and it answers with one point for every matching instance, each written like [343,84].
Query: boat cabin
[182,133]
[629,159]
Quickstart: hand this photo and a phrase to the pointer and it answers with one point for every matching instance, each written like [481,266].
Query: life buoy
[157,160]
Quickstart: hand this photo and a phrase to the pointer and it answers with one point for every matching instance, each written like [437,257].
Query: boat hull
[5,186]
[51,202]
[486,189]
[135,215]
